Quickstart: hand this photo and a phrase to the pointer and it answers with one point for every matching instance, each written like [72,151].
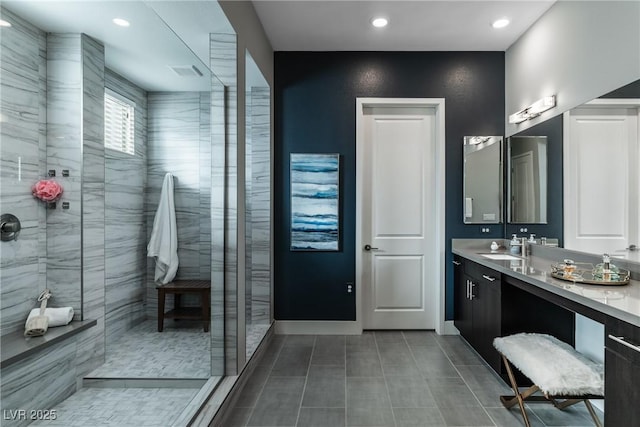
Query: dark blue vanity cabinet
[526,299]
[478,307]
[622,374]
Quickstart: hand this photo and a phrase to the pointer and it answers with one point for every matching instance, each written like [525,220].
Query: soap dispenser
[515,245]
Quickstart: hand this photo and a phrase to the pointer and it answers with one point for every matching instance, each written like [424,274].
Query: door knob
[368,247]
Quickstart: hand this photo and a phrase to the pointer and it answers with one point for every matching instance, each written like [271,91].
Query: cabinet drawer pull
[468,289]
[471,294]
[623,342]
[489,278]
[456,262]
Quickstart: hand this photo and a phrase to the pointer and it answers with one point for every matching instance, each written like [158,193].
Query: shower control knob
[9,227]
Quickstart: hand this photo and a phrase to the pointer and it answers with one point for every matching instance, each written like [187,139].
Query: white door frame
[437,275]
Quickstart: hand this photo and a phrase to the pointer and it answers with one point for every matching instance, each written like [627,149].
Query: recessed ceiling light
[379,22]
[121,22]
[4,23]
[500,23]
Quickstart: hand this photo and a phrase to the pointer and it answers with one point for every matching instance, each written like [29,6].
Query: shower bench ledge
[17,347]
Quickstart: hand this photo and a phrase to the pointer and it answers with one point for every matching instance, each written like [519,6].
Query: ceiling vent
[186,70]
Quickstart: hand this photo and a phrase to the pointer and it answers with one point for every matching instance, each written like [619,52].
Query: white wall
[578,50]
[590,342]
[251,36]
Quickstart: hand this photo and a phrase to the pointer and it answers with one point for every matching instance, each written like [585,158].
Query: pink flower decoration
[47,190]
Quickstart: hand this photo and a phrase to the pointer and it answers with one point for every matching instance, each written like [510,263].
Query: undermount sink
[502,257]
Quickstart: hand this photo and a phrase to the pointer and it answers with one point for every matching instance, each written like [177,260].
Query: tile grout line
[265,382]
[384,378]
[421,374]
[345,379]
[464,381]
[306,378]
[484,363]
[472,392]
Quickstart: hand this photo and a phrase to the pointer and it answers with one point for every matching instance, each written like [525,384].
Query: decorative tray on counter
[584,273]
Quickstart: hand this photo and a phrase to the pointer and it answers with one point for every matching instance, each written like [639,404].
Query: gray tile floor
[381,379]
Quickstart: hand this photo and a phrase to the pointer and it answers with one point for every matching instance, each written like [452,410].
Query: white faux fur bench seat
[555,368]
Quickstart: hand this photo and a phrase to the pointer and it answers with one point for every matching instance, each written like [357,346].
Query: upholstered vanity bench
[555,368]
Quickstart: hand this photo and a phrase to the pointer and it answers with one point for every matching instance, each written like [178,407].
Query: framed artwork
[314,202]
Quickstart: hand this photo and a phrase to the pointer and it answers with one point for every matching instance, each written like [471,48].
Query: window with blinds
[118,123]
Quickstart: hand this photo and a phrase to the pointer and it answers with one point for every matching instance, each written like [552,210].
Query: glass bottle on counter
[568,267]
[606,271]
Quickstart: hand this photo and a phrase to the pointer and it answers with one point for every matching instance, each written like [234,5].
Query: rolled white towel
[57,316]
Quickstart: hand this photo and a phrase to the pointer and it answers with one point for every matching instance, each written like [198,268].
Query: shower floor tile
[182,350]
[99,407]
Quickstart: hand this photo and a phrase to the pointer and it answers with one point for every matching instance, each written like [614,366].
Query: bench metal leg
[592,413]
[518,396]
[509,401]
[564,404]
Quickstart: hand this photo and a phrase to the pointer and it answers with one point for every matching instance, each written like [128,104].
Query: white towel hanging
[163,245]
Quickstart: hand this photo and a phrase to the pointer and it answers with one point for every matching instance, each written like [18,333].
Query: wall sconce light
[534,110]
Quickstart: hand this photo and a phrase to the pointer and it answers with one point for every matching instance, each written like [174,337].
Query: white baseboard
[335,327]
[317,327]
[449,328]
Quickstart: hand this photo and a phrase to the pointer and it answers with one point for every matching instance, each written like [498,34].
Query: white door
[601,179]
[523,199]
[397,218]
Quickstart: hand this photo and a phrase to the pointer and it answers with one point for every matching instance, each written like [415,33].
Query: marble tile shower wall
[217,221]
[91,345]
[23,262]
[179,143]
[205,186]
[260,205]
[125,221]
[248,200]
[64,151]
[223,50]
[52,106]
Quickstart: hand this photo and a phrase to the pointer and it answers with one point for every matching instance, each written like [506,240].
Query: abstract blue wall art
[314,202]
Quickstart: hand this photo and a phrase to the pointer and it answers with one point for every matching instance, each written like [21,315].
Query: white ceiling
[165,33]
[419,25]
[144,51]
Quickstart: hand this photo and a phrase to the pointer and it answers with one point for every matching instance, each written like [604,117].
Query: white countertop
[620,302]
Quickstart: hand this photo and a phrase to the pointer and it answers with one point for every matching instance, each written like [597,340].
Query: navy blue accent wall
[632,90]
[315,97]
[554,227]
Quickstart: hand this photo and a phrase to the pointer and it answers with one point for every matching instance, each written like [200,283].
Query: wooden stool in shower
[179,287]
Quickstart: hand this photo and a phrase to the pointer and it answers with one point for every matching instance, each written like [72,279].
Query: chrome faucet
[525,246]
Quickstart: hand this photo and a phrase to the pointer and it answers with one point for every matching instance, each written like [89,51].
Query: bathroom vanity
[498,294]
